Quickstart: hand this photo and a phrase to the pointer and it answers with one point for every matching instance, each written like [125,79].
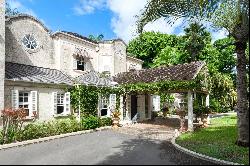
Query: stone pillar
[2,52]
[190,111]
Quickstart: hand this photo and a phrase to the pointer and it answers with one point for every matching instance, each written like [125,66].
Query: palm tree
[233,15]
[97,39]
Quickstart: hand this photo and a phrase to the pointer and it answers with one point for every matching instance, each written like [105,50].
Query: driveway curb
[202,156]
[44,139]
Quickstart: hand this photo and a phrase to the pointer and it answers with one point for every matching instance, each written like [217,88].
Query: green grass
[217,141]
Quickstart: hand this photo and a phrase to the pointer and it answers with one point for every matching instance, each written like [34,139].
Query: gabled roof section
[76,35]
[26,16]
[21,72]
[181,72]
[113,40]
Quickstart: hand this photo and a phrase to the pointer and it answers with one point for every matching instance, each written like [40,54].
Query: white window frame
[104,100]
[62,102]
[60,97]
[25,103]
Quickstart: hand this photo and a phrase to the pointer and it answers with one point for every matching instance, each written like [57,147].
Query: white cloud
[124,21]
[88,6]
[15,4]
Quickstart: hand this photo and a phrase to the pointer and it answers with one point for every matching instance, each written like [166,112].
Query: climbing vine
[88,96]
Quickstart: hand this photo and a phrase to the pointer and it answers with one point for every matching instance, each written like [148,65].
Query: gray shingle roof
[21,72]
[181,72]
[94,78]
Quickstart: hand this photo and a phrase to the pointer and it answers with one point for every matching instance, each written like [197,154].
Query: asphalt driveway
[103,147]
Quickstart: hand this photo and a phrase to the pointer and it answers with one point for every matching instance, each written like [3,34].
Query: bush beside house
[61,126]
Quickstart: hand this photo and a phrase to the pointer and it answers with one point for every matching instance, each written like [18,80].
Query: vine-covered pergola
[188,78]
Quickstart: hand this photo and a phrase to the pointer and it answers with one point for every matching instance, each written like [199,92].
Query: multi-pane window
[60,103]
[104,105]
[124,107]
[24,102]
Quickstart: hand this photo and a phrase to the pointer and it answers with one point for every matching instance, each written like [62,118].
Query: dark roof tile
[181,72]
[21,72]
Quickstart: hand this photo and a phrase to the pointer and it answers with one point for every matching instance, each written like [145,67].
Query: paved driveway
[103,147]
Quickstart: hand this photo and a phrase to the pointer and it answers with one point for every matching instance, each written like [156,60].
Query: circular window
[29,42]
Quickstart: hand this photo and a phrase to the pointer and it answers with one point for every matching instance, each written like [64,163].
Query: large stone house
[39,65]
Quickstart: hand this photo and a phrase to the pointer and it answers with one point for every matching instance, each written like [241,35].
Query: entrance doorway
[133,106]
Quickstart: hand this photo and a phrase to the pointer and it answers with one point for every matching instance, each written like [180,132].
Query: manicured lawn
[217,141]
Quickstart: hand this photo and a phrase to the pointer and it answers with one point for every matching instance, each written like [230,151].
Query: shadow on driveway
[150,152]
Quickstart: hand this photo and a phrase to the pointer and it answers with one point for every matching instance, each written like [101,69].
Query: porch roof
[180,72]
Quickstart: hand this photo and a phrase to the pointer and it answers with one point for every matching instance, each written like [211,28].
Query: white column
[190,111]
[207,100]
[207,105]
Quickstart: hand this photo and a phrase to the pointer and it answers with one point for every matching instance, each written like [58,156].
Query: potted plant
[115,118]
[181,112]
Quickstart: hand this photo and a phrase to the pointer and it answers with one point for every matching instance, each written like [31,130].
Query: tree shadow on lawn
[150,152]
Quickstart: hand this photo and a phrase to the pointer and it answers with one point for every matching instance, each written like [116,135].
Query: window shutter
[15,99]
[33,101]
[67,103]
[74,64]
[54,100]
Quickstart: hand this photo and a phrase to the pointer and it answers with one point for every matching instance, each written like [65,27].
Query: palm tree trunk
[242,101]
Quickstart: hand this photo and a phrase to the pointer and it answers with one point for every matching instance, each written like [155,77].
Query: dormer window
[30,42]
[81,59]
[80,64]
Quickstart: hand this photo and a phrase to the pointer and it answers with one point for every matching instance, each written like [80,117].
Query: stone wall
[133,63]
[16,29]
[65,47]
[120,57]
[2,52]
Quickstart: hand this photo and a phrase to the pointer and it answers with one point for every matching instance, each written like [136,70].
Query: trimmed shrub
[91,122]
[106,121]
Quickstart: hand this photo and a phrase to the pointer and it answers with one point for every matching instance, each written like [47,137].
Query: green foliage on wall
[88,97]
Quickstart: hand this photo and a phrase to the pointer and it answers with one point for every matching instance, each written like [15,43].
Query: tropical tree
[148,45]
[167,56]
[97,38]
[232,15]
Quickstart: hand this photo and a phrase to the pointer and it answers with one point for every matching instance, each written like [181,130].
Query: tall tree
[196,37]
[233,15]
[148,45]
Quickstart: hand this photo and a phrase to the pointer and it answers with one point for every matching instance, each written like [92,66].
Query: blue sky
[112,18]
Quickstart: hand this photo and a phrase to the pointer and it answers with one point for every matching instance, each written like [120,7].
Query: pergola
[190,78]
